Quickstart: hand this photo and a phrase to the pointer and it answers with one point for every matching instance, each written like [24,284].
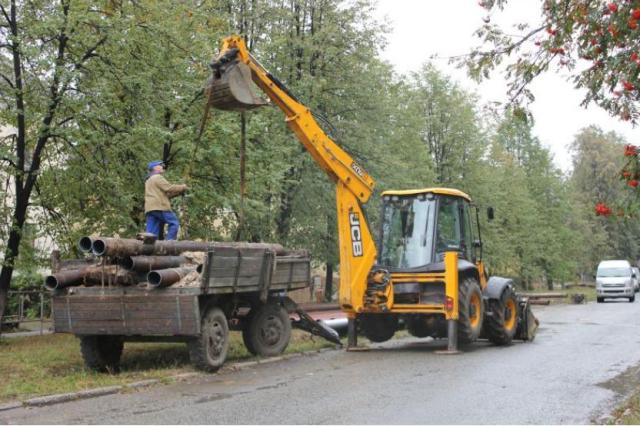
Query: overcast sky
[421,28]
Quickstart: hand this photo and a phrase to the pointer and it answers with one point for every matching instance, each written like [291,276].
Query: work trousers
[156,219]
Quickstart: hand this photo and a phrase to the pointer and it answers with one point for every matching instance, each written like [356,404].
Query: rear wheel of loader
[502,324]
[209,351]
[102,353]
[378,327]
[600,299]
[268,330]
[471,311]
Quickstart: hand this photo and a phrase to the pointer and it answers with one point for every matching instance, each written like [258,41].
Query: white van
[614,279]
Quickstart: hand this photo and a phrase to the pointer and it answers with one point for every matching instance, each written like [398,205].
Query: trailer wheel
[378,327]
[502,323]
[470,311]
[102,353]
[246,337]
[268,330]
[209,351]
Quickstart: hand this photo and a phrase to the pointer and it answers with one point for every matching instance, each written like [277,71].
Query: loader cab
[419,226]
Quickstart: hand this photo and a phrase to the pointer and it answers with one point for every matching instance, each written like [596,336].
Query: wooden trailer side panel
[237,271]
[127,314]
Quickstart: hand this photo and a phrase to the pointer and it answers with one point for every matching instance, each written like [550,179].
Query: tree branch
[9,82]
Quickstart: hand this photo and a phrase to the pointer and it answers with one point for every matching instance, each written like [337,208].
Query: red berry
[628,86]
[633,24]
[633,183]
[635,13]
[634,56]
[612,7]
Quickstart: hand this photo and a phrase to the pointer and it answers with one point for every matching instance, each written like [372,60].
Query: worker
[157,207]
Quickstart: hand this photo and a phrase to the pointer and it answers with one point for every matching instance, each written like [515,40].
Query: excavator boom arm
[353,185]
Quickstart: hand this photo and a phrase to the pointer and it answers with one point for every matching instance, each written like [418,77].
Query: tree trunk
[328,283]
[243,145]
[10,255]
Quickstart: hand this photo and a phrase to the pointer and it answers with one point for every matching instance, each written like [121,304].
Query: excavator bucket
[231,88]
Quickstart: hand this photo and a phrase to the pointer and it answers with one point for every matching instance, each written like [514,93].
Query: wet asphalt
[584,361]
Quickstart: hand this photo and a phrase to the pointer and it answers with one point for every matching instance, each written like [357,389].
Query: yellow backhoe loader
[428,272]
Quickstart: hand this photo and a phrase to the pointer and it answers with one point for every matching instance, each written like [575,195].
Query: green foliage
[594,42]
[138,96]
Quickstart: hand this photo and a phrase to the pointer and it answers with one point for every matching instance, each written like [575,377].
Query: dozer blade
[230,88]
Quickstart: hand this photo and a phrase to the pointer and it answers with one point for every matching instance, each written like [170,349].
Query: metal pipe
[85,244]
[149,263]
[65,279]
[167,277]
[90,276]
[121,247]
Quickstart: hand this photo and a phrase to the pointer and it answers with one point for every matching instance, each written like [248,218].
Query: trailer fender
[495,287]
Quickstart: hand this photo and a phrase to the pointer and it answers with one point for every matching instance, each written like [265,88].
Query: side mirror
[490,213]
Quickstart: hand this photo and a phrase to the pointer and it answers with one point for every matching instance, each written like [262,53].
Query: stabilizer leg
[452,339]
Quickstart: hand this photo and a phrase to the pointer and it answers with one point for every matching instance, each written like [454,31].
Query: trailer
[242,288]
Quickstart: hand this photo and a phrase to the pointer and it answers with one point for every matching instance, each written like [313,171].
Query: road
[583,362]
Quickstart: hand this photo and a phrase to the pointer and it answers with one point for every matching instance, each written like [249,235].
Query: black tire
[246,335]
[502,323]
[209,351]
[600,299]
[632,299]
[378,327]
[418,326]
[470,311]
[268,330]
[102,353]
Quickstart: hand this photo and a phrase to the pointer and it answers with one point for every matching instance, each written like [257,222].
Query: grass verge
[629,412]
[43,365]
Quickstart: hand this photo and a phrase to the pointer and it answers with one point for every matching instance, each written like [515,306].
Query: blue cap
[152,164]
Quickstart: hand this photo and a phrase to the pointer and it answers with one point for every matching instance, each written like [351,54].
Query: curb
[60,398]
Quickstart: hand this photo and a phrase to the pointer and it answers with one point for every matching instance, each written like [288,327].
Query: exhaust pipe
[167,277]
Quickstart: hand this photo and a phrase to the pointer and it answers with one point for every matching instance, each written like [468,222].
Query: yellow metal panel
[422,309]
[443,191]
[451,282]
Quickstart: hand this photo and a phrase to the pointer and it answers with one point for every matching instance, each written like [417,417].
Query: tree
[45,48]
[92,93]
[596,42]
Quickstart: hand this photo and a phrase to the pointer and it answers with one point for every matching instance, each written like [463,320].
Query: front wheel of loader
[501,322]
[378,327]
[470,311]
[209,351]
[102,353]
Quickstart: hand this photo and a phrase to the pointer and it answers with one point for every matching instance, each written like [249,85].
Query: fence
[22,306]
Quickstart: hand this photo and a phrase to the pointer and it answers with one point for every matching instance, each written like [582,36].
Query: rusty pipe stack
[125,262]
[121,247]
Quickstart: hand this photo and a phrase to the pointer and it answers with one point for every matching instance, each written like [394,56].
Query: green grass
[629,412]
[42,365]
